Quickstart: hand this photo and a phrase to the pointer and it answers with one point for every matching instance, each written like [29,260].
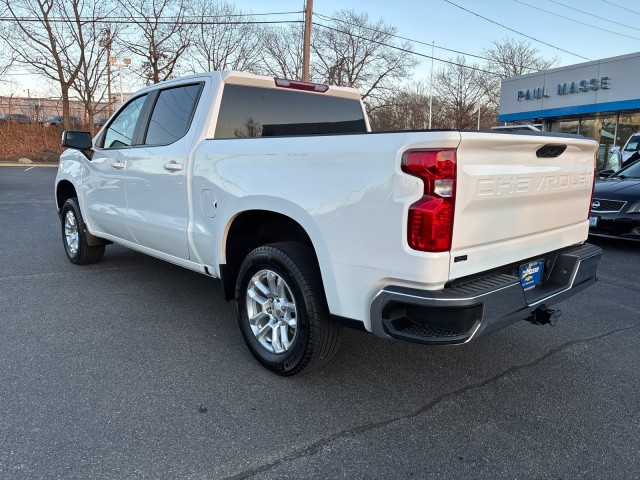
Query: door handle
[117,165]
[173,166]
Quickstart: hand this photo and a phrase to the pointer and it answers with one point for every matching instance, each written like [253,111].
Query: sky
[607,28]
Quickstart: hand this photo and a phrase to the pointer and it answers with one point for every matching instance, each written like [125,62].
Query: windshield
[632,144]
[632,170]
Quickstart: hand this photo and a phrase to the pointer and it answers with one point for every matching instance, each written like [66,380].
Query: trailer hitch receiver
[544,315]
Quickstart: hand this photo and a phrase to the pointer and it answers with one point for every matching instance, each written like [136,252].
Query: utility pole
[431,85]
[306,48]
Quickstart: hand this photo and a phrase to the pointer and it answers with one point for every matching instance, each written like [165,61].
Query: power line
[326,17]
[575,21]
[138,20]
[620,6]
[247,14]
[406,50]
[142,18]
[593,15]
[135,20]
[516,31]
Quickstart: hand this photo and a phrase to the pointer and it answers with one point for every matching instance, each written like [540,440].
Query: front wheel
[282,310]
[73,236]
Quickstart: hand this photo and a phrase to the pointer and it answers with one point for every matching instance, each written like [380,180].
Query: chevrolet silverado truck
[311,222]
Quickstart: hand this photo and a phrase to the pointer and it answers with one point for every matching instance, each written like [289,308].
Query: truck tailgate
[513,204]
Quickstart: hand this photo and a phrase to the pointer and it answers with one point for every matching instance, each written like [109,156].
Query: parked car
[615,209]
[631,147]
[58,120]
[517,128]
[613,164]
[100,121]
[15,118]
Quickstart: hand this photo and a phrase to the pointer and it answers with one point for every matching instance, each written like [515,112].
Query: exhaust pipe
[544,315]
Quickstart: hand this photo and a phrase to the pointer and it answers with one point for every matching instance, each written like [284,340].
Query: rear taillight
[306,86]
[430,226]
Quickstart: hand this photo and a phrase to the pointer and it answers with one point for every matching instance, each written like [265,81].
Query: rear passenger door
[156,174]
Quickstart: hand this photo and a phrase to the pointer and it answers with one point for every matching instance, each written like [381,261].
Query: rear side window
[247,112]
[172,114]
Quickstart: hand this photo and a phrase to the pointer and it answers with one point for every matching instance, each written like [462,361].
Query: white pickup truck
[311,222]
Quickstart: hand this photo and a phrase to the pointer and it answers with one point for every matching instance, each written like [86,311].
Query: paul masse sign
[607,85]
[582,86]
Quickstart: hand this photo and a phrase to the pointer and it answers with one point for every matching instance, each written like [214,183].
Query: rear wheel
[282,310]
[74,238]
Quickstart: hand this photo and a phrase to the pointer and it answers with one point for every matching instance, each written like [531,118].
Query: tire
[282,311]
[74,238]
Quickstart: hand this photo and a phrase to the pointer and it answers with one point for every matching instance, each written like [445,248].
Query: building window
[629,124]
[564,126]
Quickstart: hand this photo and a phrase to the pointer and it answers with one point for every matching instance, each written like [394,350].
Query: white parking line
[29,169]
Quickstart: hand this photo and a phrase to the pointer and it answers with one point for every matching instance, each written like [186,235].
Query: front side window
[267,112]
[172,114]
[120,132]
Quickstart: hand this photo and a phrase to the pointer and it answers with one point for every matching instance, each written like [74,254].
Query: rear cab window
[250,112]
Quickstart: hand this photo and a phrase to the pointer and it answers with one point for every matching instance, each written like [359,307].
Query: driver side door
[104,185]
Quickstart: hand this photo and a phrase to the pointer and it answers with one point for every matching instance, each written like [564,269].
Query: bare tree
[86,18]
[5,61]
[224,41]
[510,58]
[43,45]
[5,53]
[283,51]
[160,36]
[10,90]
[408,109]
[460,90]
[249,129]
[355,51]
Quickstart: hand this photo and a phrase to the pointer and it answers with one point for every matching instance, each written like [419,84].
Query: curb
[27,165]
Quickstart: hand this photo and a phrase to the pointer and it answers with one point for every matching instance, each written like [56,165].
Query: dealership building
[598,99]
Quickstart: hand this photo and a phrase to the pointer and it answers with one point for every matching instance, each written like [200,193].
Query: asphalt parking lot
[134,368]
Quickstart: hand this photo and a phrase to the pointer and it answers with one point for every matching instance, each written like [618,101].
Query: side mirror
[77,140]
[605,173]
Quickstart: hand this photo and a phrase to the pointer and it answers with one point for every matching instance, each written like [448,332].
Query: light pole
[125,63]
[106,43]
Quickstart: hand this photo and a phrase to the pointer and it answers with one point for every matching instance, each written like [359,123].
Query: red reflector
[593,183]
[430,222]
[306,86]
[593,189]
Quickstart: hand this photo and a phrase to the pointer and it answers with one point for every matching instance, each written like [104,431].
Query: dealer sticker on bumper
[531,274]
